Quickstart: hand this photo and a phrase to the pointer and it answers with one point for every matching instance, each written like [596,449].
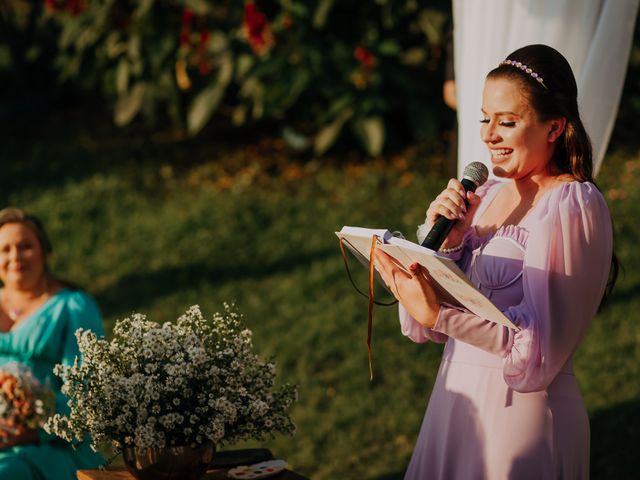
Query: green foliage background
[150,220]
[319,70]
[145,227]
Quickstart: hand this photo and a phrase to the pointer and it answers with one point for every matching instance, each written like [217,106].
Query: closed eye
[25,246]
[508,124]
[484,120]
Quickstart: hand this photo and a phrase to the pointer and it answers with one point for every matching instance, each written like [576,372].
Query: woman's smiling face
[22,261]
[520,144]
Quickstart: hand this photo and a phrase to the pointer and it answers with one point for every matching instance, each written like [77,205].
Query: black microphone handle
[438,233]
[441,228]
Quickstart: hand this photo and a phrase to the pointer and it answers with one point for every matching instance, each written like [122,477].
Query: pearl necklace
[15,313]
[12,312]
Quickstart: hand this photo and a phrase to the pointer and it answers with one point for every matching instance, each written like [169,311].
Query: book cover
[456,288]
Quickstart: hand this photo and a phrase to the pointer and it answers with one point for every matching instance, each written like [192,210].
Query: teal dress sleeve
[81,312]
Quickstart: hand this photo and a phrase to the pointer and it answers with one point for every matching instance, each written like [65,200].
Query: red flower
[187,16]
[287,21]
[204,38]
[204,67]
[257,29]
[203,64]
[364,56]
[185,29]
[74,7]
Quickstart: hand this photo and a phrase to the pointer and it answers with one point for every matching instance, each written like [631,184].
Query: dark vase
[169,463]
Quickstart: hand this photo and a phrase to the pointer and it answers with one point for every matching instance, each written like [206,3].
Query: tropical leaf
[129,104]
[207,101]
[371,133]
[143,8]
[122,76]
[203,107]
[200,7]
[327,136]
[321,13]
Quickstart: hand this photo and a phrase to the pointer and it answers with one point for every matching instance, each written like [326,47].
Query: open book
[452,283]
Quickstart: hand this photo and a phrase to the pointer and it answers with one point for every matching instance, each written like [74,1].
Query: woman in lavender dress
[506,405]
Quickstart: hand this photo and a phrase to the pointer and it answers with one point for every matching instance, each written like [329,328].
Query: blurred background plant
[316,71]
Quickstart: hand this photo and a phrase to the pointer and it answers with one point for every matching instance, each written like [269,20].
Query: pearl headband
[529,71]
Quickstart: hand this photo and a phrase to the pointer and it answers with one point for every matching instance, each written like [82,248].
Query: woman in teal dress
[39,314]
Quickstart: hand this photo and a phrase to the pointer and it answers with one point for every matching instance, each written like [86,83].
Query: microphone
[474,175]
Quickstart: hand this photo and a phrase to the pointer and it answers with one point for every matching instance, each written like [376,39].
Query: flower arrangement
[183,383]
[24,401]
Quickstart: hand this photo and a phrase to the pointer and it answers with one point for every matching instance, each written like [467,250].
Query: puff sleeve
[565,272]
[80,311]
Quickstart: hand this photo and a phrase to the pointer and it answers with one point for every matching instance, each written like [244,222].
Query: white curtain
[595,36]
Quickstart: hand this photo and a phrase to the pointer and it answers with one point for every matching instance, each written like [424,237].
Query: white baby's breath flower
[172,384]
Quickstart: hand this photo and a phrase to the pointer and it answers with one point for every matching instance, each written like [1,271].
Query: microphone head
[477,172]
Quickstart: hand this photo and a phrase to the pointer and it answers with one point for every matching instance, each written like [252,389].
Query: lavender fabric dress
[505,404]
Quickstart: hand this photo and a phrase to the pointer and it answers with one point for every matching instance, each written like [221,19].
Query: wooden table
[123,474]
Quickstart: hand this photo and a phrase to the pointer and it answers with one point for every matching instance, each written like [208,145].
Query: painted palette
[258,470]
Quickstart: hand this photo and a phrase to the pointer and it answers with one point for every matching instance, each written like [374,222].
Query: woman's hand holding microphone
[451,204]
[414,290]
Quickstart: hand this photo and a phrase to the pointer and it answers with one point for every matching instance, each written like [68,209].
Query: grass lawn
[154,226]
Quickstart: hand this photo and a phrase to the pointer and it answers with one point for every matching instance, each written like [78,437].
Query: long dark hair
[18,215]
[556,96]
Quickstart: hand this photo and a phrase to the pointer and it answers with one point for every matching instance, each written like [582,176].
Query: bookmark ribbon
[370,296]
[372,269]
[346,266]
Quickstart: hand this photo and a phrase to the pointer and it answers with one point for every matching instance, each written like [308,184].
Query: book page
[452,282]
[358,241]
[449,277]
